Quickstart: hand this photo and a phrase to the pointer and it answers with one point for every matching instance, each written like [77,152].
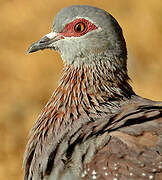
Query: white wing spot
[94,172]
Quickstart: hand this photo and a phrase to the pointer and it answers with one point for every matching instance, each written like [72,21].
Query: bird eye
[79,27]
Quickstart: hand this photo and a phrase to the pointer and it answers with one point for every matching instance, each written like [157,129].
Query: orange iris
[79,27]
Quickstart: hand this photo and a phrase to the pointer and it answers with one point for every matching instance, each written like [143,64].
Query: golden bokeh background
[26,82]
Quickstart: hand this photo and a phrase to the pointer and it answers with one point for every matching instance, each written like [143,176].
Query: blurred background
[26,82]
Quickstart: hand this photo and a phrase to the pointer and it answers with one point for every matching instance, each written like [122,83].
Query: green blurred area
[26,82]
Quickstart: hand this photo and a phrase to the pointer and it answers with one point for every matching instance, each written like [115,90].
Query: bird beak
[45,42]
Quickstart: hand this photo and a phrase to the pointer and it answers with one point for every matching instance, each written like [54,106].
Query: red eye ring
[79,27]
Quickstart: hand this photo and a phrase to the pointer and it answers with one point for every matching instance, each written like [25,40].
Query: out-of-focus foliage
[26,82]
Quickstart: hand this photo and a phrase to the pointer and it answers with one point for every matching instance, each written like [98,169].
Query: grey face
[105,40]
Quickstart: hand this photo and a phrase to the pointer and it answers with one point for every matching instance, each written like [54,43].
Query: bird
[94,126]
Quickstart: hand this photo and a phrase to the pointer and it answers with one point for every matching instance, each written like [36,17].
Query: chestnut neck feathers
[86,92]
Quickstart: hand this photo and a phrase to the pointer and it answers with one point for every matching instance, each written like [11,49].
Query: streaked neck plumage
[87,92]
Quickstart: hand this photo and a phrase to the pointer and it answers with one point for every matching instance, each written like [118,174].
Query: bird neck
[85,94]
[87,91]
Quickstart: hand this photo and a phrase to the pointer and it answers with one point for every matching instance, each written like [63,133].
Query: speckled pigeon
[94,126]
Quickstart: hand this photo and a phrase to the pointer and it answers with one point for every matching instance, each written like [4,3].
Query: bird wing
[125,145]
[134,150]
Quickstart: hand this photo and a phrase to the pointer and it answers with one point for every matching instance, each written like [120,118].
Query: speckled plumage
[94,125]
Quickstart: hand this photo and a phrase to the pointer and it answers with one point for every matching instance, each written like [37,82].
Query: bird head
[83,34]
